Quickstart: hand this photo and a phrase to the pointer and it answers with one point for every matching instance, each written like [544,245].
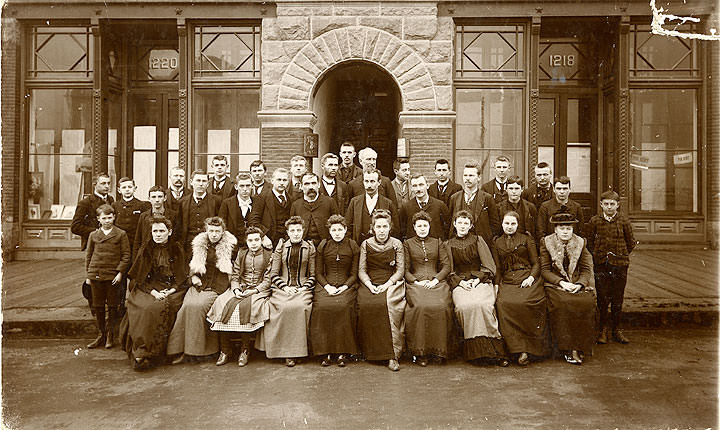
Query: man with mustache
[314,208]
[177,189]
[481,205]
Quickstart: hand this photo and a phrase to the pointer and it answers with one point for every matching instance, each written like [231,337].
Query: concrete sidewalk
[665,289]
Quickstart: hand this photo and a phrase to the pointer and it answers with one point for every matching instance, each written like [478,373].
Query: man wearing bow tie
[498,186]
[444,187]
[221,185]
[420,201]
[560,203]
[85,220]
[272,209]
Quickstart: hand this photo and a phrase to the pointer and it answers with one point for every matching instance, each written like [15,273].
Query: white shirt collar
[198,198]
[278,195]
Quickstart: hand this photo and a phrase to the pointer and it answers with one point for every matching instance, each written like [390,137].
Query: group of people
[351,264]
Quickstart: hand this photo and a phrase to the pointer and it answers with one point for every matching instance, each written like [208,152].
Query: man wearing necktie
[85,220]
[235,210]
[257,174]
[221,185]
[481,205]
[331,185]
[298,167]
[401,183]
[195,208]
[561,202]
[444,187]
[498,187]
[440,221]
[271,209]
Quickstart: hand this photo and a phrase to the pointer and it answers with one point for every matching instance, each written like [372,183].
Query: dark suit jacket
[143,231]
[263,214]
[319,211]
[487,221]
[440,214]
[232,214]
[356,210]
[492,189]
[340,194]
[173,203]
[184,214]
[386,189]
[85,220]
[348,174]
[536,195]
[227,190]
[529,214]
[450,189]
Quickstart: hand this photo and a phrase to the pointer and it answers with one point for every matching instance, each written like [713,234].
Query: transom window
[653,55]
[489,51]
[227,52]
[61,52]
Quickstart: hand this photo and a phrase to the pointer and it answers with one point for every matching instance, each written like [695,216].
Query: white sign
[685,158]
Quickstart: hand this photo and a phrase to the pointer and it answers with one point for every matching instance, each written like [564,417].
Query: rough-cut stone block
[274,52]
[440,52]
[441,73]
[423,81]
[425,93]
[408,10]
[443,96]
[291,104]
[371,37]
[270,29]
[356,38]
[390,51]
[343,10]
[294,27]
[292,93]
[400,55]
[421,47]
[270,97]
[405,65]
[322,24]
[381,45]
[317,10]
[292,47]
[412,74]
[333,46]
[300,73]
[445,28]
[421,27]
[296,84]
[420,105]
[324,51]
[392,25]
[273,72]
[307,64]
[311,54]
[342,38]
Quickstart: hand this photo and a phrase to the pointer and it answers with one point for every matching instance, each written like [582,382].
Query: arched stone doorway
[358,101]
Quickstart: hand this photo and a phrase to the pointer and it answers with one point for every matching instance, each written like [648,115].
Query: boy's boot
[100,321]
[617,334]
[110,330]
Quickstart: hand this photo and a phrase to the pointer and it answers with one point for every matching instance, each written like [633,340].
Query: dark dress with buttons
[333,322]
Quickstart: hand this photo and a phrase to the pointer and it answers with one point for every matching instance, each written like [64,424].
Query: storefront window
[225,123]
[59,155]
[664,153]
[489,123]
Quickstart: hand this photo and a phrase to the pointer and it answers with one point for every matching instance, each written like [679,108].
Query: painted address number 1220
[561,60]
[163,63]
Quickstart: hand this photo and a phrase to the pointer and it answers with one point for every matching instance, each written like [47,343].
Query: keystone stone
[323,24]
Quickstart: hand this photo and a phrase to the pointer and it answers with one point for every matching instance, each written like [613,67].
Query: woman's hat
[563,219]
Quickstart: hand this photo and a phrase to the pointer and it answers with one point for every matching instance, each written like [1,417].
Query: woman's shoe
[393,365]
[502,362]
[578,356]
[524,359]
[140,364]
[179,359]
[342,360]
[222,359]
[422,361]
[97,342]
[243,358]
[326,361]
[290,362]
[573,358]
[619,337]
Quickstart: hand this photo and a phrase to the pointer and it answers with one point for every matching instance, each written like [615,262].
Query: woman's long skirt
[522,317]
[572,319]
[285,334]
[475,312]
[333,323]
[428,319]
[247,314]
[146,326]
[191,334]
[381,322]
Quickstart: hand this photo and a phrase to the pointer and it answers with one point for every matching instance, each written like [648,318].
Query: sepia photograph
[360,214]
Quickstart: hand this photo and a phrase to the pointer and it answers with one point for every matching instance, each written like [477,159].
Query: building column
[623,119]
[713,135]
[534,83]
[12,145]
[429,137]
[282,135]
[100,106]
[182,94]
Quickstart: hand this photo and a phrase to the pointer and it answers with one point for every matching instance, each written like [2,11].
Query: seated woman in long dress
[293,277]
[471,276]
[158,284]
[333,323]
[521,305]
[567,268]
[381,298]
[210,269]
[428,313]
[242,309]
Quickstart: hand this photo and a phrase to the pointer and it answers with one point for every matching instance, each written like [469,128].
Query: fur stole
[556,249]
[223,253]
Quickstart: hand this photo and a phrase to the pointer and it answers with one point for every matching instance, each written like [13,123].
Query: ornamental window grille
[495,51]
[60,53]
[227,52]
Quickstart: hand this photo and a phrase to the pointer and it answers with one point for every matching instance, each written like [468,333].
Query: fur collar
[223,253]
[556,249]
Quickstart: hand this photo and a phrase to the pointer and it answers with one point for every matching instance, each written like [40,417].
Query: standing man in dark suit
[368,160]
[195,208]
[496,187]
[348,170]
[85,220]
[361,208]
[514,202]
[542,190]
[128,210]
[331,186]
[177,189]
[221,185]
[444,187]
[298,167]
[235,210]
[272,208]
[401,183]
[315,209]
[257,173]
[560,203]
[441,221]
[480,204]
